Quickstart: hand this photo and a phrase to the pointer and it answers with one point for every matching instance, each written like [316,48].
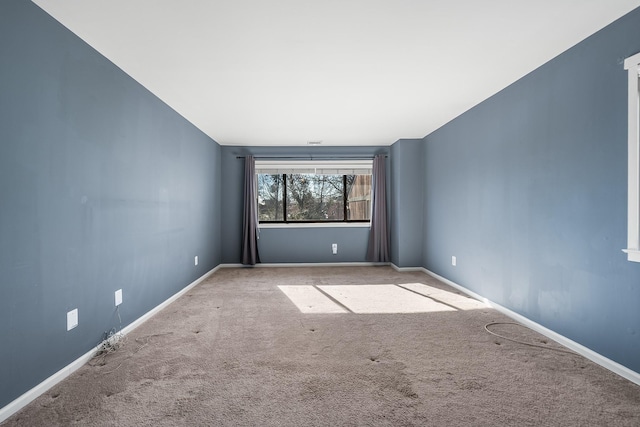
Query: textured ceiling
[349,72]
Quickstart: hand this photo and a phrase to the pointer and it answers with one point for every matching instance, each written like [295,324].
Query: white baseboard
[407,269]
[30,395]
[162,305]
[601,360]
[307,264]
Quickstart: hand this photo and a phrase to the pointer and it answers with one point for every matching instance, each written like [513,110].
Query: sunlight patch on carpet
[460,302]
[310,300]
[382,299]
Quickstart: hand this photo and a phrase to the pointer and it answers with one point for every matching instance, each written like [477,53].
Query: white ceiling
[346,72]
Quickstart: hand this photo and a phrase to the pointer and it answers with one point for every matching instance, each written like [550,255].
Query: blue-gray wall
[102,187]
[528,190]
[288,245]
[406,200]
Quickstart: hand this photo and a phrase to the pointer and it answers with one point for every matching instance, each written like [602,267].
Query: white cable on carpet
[486,327]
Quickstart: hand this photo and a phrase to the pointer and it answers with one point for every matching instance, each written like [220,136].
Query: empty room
[297,213]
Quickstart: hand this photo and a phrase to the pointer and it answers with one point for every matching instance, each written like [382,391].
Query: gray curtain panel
[250,254]
[378,250]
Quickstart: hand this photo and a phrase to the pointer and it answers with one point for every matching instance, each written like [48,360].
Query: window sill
[317,225]
[632,254]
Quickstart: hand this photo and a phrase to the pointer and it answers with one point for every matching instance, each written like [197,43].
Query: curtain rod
[311,157]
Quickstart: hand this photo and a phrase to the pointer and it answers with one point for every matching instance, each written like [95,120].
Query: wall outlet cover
[196,260]
[118,297]
[72,319]
[454,261]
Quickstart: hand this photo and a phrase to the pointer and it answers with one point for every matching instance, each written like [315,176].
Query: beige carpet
[236,350]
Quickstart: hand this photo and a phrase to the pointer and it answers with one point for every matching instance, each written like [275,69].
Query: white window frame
[632,65]
[339,167]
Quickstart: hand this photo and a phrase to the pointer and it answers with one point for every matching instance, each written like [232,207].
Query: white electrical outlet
[453,261]
[72,319]
[118,297]
[196,260]
[334,248]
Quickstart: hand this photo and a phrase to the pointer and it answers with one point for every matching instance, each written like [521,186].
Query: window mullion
[344,198]
[285,198]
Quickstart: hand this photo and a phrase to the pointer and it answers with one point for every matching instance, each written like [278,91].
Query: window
[314,191]
[632,65]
